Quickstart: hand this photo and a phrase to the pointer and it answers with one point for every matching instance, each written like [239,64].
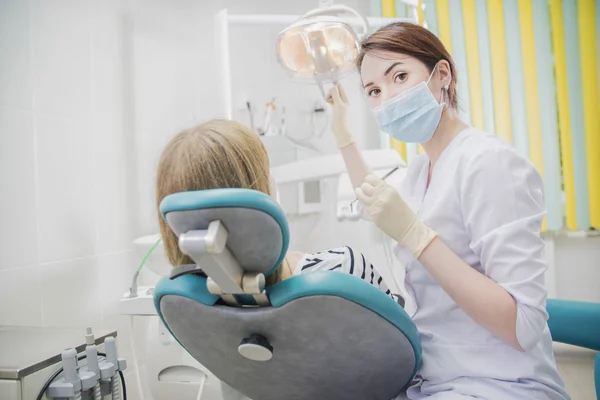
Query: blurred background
[91,91]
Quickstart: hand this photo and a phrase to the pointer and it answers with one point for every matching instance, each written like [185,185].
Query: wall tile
[114,182]
[18,230]
[71,293]
[65,175]
[61,56]
[21,296]
[15,75]
[111,53]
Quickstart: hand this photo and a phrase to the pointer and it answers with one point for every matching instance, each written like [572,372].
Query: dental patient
[226,154]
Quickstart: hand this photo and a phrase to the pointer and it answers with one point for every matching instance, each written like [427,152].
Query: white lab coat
[487,204]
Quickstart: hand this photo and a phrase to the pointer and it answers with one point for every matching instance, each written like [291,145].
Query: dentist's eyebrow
[392,67]
[385,73]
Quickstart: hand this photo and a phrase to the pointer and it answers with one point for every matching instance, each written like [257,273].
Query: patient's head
[216,154]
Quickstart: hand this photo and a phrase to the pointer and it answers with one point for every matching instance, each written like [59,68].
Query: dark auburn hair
[415,41]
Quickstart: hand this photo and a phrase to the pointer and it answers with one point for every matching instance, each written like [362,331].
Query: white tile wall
[21,296]
[60,43]
[67,221]
[67,158]
[71,293]
[113,179]
[15,76]
[18,213]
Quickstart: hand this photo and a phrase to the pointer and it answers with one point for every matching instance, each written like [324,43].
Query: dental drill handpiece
[91,354]
[111,356]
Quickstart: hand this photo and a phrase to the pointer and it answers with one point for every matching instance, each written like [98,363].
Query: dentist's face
[385,74]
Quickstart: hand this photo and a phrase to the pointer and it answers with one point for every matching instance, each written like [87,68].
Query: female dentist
[467,220]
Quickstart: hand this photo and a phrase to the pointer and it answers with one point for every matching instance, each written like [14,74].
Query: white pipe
[136,366]
[222,37]
[284,20]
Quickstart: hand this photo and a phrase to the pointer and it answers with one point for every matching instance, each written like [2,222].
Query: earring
[446,88]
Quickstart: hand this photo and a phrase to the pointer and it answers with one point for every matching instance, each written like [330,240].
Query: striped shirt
[348,261]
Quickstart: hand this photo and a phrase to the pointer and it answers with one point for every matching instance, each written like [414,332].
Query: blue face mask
[411,116]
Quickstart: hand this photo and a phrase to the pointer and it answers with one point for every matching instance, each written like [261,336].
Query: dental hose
[133,288]
[114,382]
[79,397]
[97,392]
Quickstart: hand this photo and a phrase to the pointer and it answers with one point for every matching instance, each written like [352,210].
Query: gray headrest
[255,238]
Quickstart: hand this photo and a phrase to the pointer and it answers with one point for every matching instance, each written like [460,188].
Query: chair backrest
[321,335]
[577,323]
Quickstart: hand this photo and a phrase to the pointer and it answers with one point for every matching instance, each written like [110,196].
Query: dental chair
[577,323]
[321,335]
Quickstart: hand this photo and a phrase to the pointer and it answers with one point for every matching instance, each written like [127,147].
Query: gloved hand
[393,216]
[339,116]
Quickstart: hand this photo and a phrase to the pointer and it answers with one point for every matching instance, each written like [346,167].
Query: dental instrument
[97,379]
[251,115]
[383,178]
[268,114]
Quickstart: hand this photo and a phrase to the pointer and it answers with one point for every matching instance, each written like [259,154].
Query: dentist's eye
[374,92]
[401,77]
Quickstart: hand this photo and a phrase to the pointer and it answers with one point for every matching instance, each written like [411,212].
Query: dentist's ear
[273,189]
[444,72]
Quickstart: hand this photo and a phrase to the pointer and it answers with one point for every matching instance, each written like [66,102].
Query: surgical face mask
[411,116]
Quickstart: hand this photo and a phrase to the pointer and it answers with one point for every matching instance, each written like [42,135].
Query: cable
[53,377]
[133,289]
[148,254]
[60,370]
[201,390]
[123,385]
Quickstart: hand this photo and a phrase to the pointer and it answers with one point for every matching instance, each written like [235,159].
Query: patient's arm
[344,260]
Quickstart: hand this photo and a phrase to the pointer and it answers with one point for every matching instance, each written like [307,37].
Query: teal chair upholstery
[577,323]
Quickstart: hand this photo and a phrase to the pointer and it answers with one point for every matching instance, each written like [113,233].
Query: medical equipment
[99,378]
[31,366]
[320,45]
[133,289]
[262,340]
[266,128]
[315,132]
[384,177]
[251,115]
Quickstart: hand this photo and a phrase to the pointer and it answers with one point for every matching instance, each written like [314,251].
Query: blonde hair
[215,154]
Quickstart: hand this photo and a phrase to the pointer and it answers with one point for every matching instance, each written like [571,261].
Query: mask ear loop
[444,89]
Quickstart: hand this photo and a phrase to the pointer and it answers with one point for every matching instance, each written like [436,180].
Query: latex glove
[339,116]
[393,216]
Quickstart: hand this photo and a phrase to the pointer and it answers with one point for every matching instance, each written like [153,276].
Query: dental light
[320,45]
